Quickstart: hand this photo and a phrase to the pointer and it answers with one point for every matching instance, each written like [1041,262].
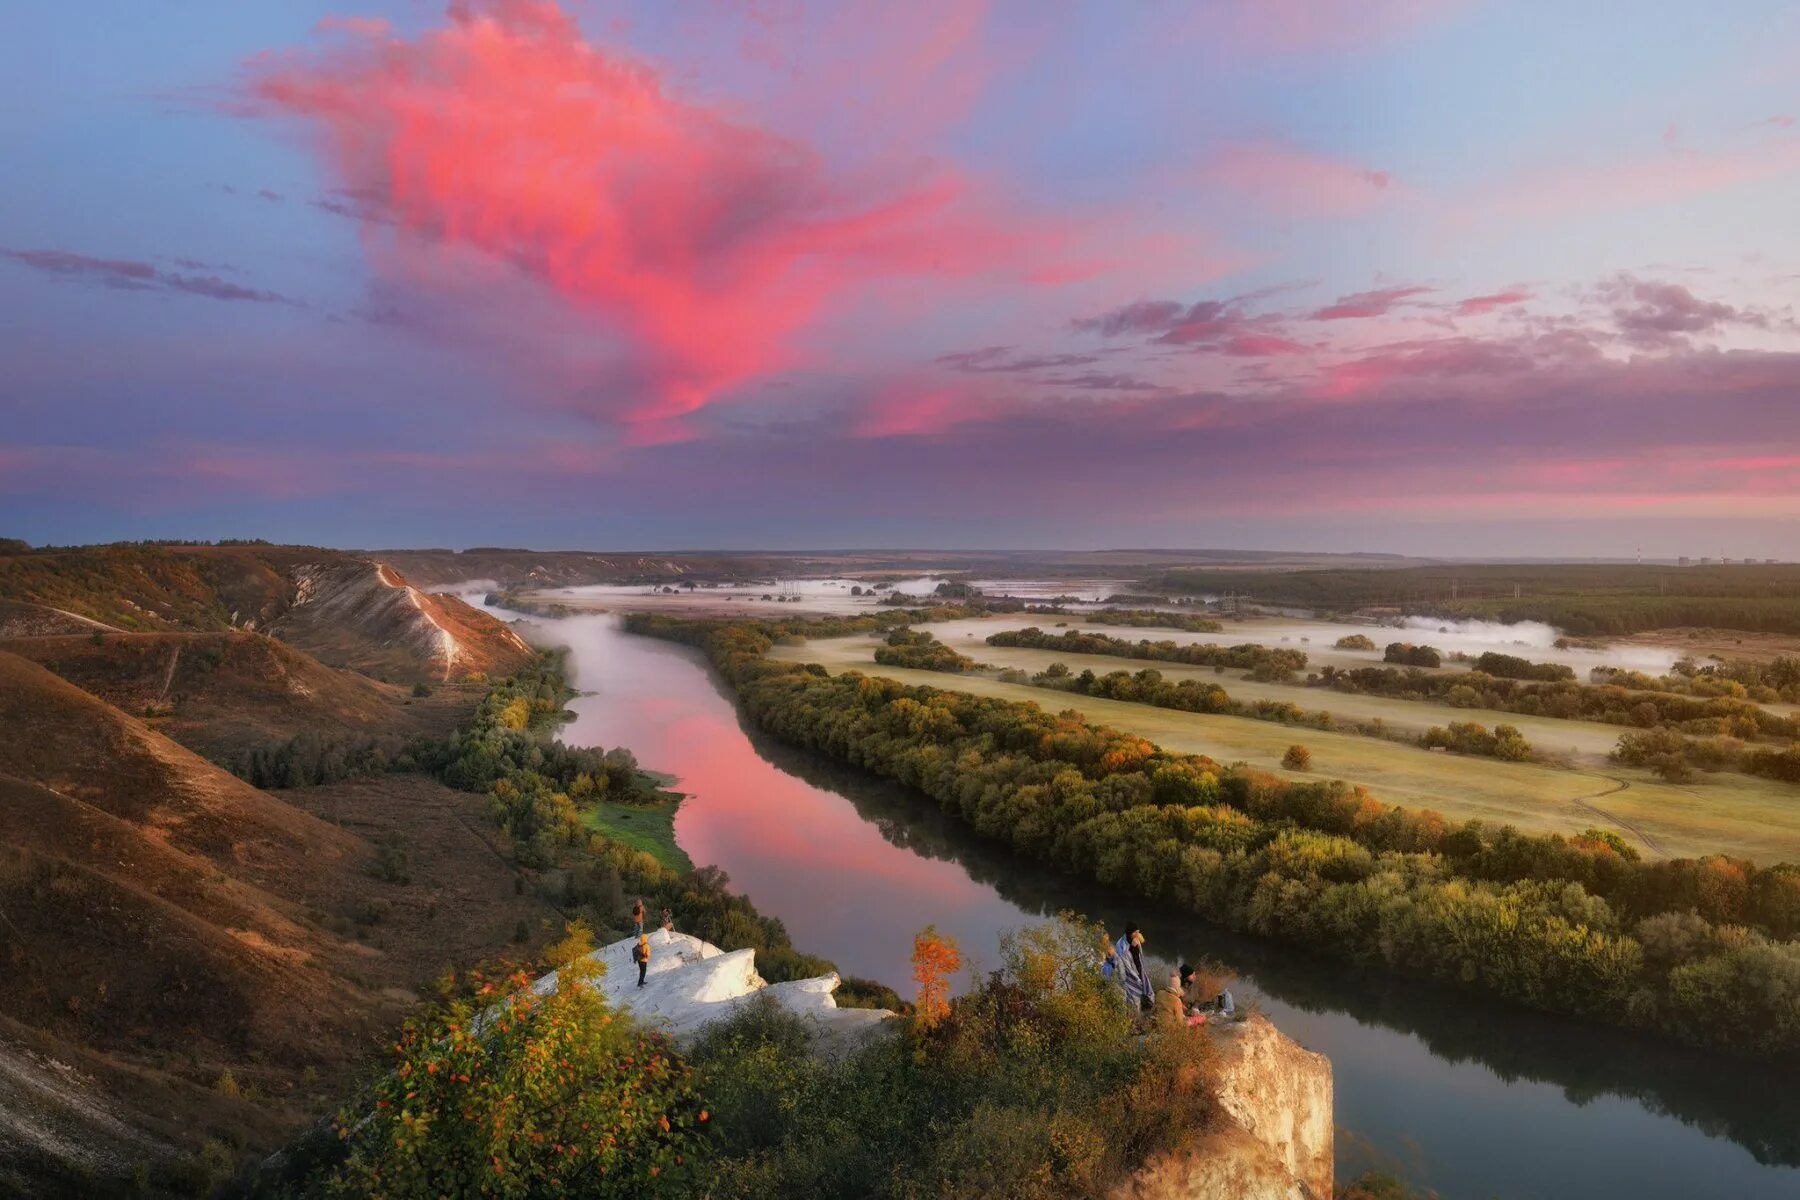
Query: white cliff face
[1277,1140]
[691,983]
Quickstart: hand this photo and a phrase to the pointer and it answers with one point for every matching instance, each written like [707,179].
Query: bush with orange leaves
[535,1096]
[935,959]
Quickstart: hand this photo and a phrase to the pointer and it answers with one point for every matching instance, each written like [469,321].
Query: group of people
[1181,1001]
[640,953]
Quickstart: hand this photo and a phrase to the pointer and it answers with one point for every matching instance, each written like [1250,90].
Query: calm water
[1473,1099]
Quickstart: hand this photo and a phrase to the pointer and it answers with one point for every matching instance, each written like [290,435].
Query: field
[646,827]
[1725,813]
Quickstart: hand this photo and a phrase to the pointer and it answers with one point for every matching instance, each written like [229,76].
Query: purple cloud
[131,275]
[1654,315]
[1377,303]
[1220,325]
[995,360]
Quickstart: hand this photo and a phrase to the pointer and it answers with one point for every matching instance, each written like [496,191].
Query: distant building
[1724,562]
[1682,561]
[1706,562]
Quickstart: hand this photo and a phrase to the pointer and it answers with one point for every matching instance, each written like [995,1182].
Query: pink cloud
[913,408]
[1476,306]
[709,242]
[1290,181]
[1377,303]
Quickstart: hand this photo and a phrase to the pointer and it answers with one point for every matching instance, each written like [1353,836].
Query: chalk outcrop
[691,984]
[1277,1140]
[364,615]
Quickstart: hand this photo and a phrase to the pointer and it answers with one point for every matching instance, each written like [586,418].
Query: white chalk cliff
[692,983]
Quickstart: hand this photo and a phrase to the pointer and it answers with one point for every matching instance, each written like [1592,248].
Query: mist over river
[1469,1097]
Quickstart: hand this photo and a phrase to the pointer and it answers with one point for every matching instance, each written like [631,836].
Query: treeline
[1696,949]
[1409,655]
[310,759]
[1583,599]
[1511,666]
[1148,686]
[1143,618]
[1266,664]
[1470,737]
[1568,700]
[1764,682]
[921,651]
[1676,757]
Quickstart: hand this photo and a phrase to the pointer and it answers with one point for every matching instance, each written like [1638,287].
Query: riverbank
[1526,919]
[853,865]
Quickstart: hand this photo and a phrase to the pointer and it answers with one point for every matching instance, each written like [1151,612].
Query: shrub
[1355,641]
[545,1096]
[1297,758]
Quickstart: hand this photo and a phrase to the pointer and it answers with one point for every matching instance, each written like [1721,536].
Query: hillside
[166,923]
[346,610]
[222,694]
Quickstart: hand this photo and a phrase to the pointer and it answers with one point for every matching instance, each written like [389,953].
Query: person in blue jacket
[1124,965]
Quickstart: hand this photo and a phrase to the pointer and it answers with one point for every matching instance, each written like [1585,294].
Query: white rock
[690,984]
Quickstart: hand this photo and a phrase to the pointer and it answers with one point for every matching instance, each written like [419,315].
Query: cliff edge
[1276,1142]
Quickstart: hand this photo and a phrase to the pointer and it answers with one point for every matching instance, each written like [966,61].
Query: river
[1471,1098]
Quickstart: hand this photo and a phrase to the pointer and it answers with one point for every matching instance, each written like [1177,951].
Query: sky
[1443,277]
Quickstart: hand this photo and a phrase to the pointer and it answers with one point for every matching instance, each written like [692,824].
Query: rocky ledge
[692,983]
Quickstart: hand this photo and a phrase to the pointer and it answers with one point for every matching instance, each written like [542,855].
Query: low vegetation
[1144,618]
[1409,655]
[921,651]
[1264,663]
[1354,641]
[1510,666]
[1698,949]
[1469,737]
[1676,758]
[1036,1083]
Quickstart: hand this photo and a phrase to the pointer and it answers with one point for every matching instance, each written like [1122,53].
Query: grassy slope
[646,827]
[224,693]
[165,921]
[1732,814]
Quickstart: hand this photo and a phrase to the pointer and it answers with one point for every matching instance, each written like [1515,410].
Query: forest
[1696,949]
[1581,599]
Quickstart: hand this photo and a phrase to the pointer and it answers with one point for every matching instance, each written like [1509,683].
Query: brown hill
[163,923]
[223,694]
[349,611]
[363,615]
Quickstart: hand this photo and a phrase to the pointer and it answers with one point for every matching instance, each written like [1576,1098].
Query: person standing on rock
[637,916]
[640,954]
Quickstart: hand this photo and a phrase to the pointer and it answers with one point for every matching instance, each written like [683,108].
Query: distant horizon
[1225,555]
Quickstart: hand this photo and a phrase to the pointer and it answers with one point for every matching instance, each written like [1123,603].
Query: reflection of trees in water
[1752,1106]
